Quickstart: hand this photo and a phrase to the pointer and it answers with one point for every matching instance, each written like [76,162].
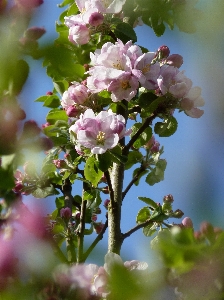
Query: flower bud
[46,143]
[98,227]
[66,213]
[106,203]
[34,33]
[178,214]
[168,198]
[96,19]
[31,129]
[94,217]
[207,229]
[49,93]
[59,163]
[187,222]
[72,111]
[29,4]
[163,51]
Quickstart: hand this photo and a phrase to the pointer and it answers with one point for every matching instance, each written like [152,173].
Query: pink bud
[72,111]
[106,203]
[187,222]
[206,228]
[168,198]
[59,163]
[66,213]
[96,19]
[34,33]
[45,125]
[98,227]
[45,143]
[164,51]
[31,128]
[94,217]
[29,4]
[49,93]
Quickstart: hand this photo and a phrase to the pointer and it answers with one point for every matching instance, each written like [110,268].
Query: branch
[82,227]
[137,227]
[95,242]
[137,134]
[142,169]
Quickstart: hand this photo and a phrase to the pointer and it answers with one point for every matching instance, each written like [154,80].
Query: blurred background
[195,153]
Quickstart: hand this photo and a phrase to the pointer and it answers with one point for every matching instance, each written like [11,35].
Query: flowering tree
[111,97]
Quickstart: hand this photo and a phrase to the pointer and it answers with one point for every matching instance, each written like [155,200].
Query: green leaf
[105,161]
[19,76]
[143,138]
[44,192]
[92,172]
[149,230]
[157,174]
[125,33]
[116,155]
[73,10]
[60,202]
[148,201]
[61,86]
[55,115]
[52,101]
[166,128]
[139,176]
[143,215]
[134,157]
[157,25]
[65,2]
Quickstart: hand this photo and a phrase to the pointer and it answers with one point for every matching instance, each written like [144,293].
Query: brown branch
[137,134]
[95,242]
[142,169]
[137,227]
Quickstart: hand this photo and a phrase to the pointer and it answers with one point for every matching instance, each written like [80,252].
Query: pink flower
[173,81]
[100,132]
[191,101]
[77,93]
[110,6]
[79,34]
[175,60]
[66,213]
[149,71]
[124,87]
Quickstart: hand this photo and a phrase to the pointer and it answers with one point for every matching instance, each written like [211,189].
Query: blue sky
[194,174]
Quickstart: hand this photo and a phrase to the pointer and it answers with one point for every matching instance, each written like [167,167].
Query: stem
[137,227]
[142,169]
[67,191]
[95,242]
[137,134]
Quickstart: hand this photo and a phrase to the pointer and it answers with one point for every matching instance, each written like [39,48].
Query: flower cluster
[92,280]
[98,132]
[122,68]
[91,15]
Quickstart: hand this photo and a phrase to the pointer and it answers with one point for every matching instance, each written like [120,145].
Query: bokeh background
[195,153]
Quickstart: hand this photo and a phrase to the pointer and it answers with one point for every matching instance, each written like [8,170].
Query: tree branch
[137,227]
[95,242]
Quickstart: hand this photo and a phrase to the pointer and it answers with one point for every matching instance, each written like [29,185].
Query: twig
[135,178]
[137,227]
[95,242]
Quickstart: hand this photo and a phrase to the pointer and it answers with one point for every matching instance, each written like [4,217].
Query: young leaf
[143,215]
[167,127]
[92,172]
[148,201]
[125,32]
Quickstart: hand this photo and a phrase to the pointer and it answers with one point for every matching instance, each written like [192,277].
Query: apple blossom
[149,70]
[77,93]
[173,81]
[191,101]
[100,132]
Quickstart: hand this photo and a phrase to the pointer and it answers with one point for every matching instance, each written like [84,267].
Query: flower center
[146,68]
[125,84]
[117,65]
[100,139]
